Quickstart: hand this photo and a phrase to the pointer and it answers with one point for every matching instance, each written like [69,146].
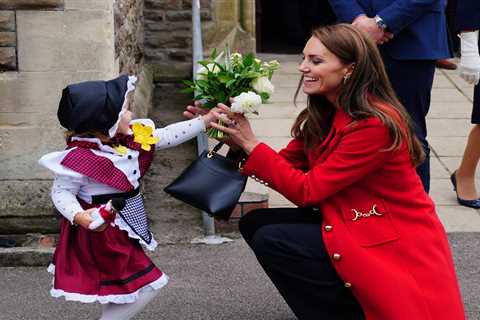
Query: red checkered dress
[107,266]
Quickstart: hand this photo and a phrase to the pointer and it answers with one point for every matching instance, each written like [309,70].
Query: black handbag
[212,183]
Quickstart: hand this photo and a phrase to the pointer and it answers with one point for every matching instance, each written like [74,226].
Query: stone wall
[129,51]
[8,41]
[57,42]
[47,44]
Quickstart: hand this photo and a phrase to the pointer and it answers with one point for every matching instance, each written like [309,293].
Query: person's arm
[352,12]
[469,67]
[401,13]
[346,10]
[179,132]
[359,153]
[294,153]
[467,15]
[64,198]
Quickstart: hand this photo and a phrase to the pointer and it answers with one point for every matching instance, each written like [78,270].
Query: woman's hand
[210,116]
[194,111]
[84,219]
[238,128]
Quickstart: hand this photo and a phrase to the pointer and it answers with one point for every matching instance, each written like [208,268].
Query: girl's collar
[90,143]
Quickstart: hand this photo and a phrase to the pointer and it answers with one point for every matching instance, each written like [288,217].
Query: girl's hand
[84,219]
[238,128]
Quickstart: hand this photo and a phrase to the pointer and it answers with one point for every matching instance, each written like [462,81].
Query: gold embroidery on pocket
[372,212]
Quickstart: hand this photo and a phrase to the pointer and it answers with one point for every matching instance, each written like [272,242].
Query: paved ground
[224,281]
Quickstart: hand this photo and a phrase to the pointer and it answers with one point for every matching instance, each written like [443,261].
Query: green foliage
[222,76]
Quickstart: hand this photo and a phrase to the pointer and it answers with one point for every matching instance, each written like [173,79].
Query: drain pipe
[202,139]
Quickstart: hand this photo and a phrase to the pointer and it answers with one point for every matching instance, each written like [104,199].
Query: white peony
[246,102]
[263,85]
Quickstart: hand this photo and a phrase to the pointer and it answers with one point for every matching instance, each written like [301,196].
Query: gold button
[336,256]
[266,184]
[253,176]
[328,228]
[348,285]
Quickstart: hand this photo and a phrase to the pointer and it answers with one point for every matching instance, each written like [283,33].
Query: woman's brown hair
[367,93]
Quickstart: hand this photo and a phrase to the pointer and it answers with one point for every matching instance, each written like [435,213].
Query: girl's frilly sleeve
[178,132]
[66,184]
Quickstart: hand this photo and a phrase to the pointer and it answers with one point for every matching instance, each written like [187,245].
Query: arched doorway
[283,26]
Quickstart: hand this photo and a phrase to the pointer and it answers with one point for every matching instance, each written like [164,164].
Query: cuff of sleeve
[72,219]
[201,124]
[71,211]
[255,157]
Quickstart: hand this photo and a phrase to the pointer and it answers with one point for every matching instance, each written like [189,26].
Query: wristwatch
[380,23]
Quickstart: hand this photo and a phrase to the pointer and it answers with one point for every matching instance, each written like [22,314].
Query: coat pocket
[370,223]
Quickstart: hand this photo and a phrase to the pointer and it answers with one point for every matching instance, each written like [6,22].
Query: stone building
[47,44]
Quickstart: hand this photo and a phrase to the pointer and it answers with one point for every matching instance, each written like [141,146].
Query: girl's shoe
[475,204]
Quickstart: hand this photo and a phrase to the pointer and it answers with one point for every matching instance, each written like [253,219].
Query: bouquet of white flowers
[246,79]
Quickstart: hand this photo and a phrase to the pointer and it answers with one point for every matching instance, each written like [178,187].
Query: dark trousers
[412,81]
[288,245]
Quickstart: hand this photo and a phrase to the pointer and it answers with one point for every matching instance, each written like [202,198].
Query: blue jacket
[468,15]
[419,26]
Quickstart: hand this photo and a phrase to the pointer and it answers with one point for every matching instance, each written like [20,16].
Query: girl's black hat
[93,105]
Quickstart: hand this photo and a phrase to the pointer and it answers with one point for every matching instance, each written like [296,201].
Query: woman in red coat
[365,241]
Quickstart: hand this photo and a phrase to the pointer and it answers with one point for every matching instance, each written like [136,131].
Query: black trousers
[412,81]
[288,245]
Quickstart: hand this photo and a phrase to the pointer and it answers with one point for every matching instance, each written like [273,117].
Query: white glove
[97,220]
[470,59]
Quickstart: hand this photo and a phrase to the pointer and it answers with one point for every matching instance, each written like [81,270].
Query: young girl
[107,154]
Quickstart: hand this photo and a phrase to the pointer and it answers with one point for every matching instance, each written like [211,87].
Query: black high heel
[475,204]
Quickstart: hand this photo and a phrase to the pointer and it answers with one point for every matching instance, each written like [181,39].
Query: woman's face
[124,124]
[322,70]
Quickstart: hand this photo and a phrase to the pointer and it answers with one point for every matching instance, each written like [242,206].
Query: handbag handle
[215,149]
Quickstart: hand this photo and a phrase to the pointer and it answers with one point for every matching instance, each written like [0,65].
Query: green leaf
[187,90]
[230,83]
[265,96]
[248,60]
[223,77]
[204,63]
[210,104]
[187,82]
[214,54]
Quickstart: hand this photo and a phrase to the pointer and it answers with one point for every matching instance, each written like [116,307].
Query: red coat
[379,226]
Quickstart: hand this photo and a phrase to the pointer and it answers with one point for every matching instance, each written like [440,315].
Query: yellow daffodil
[122,150]
[144,135]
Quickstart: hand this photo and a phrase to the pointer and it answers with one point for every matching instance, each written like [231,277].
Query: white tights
[112,311]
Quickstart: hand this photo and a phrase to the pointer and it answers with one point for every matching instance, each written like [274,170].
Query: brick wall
[8,41]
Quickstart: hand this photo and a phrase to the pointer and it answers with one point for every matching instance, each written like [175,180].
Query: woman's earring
[346,77]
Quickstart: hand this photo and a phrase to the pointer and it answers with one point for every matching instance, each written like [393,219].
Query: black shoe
[7,243]
[475,204]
